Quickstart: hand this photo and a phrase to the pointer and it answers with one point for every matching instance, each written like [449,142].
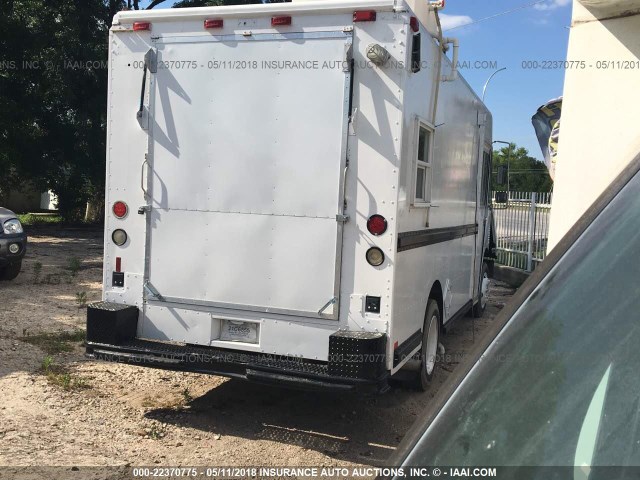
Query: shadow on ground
[352,427]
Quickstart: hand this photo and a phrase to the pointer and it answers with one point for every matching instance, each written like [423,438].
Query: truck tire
[11,271]
[481,306]
[429,349]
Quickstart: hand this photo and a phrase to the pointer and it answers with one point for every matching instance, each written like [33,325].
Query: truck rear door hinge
[342,218]
[348,57]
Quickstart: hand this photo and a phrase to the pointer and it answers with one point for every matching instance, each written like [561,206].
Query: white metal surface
[312,8]
[237,152]
[247,168]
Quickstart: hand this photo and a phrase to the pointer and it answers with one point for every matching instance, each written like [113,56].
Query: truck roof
[310,6]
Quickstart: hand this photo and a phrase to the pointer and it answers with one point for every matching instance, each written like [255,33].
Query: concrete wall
[600,130]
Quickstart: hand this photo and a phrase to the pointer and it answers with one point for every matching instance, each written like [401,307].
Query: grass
[186,395]
[81,299]
[34,219]
[53,343]
[61,377]
[37,271]
[73,265]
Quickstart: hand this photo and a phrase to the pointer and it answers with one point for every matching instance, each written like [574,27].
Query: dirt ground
[76,412]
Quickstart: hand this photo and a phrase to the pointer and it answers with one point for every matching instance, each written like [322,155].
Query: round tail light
[119,237]
[120,209]
[377,225]
[375,257]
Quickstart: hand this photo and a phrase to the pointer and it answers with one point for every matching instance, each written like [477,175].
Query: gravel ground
[80,413]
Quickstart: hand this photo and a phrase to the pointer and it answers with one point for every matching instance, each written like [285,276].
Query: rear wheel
[11,271]
[429,350]
[481,306]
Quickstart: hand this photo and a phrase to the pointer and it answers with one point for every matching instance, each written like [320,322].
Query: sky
[536,33]
[519,33]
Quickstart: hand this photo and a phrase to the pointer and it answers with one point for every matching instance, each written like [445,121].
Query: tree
[53,90]
[526,174]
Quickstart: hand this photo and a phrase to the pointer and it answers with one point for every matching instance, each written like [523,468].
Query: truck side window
[415,53]
[423,165]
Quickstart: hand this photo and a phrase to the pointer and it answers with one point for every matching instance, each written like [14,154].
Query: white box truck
[297,193]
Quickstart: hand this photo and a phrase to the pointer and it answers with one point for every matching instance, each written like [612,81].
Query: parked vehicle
[310,202]
[13,244]
[556,383]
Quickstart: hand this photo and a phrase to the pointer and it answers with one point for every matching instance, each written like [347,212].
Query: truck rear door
[245,171]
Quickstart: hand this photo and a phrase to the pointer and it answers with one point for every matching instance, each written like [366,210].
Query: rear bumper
[7,257]
[255,367]
[356,359]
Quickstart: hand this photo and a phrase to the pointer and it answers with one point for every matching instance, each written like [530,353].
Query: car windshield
[560,385]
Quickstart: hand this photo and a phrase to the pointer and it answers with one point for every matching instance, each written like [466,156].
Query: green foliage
[53,343]
[81,299]
[526,173]
[47,363]
[34,219]
[58,375]
[73,265]
[37,271]
[53,90]
[186,395]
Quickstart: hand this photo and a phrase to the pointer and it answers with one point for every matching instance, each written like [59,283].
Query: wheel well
[436,294]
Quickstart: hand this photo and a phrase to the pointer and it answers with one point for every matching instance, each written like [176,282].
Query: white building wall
[600,130]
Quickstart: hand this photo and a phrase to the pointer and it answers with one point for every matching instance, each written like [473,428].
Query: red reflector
[395,344]
[377,224]
[213,23]
[413,23]
[277,21]
[137,26]
[118,264]
[120,209]
[364,16]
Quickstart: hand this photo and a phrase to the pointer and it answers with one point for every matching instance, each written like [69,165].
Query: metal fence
[522,228]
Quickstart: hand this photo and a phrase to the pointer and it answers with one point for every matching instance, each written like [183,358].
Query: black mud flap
[111,323]
[359,355]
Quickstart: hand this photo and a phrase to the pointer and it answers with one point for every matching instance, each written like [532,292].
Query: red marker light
[377,225]
[138,26]
[364,16]
[118,264]
[120,209]
[214,23]
[279,21]
[413,23]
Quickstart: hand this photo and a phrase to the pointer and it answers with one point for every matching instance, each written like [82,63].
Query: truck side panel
[449,264]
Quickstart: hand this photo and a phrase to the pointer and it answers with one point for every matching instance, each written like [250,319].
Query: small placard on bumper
[239,331]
